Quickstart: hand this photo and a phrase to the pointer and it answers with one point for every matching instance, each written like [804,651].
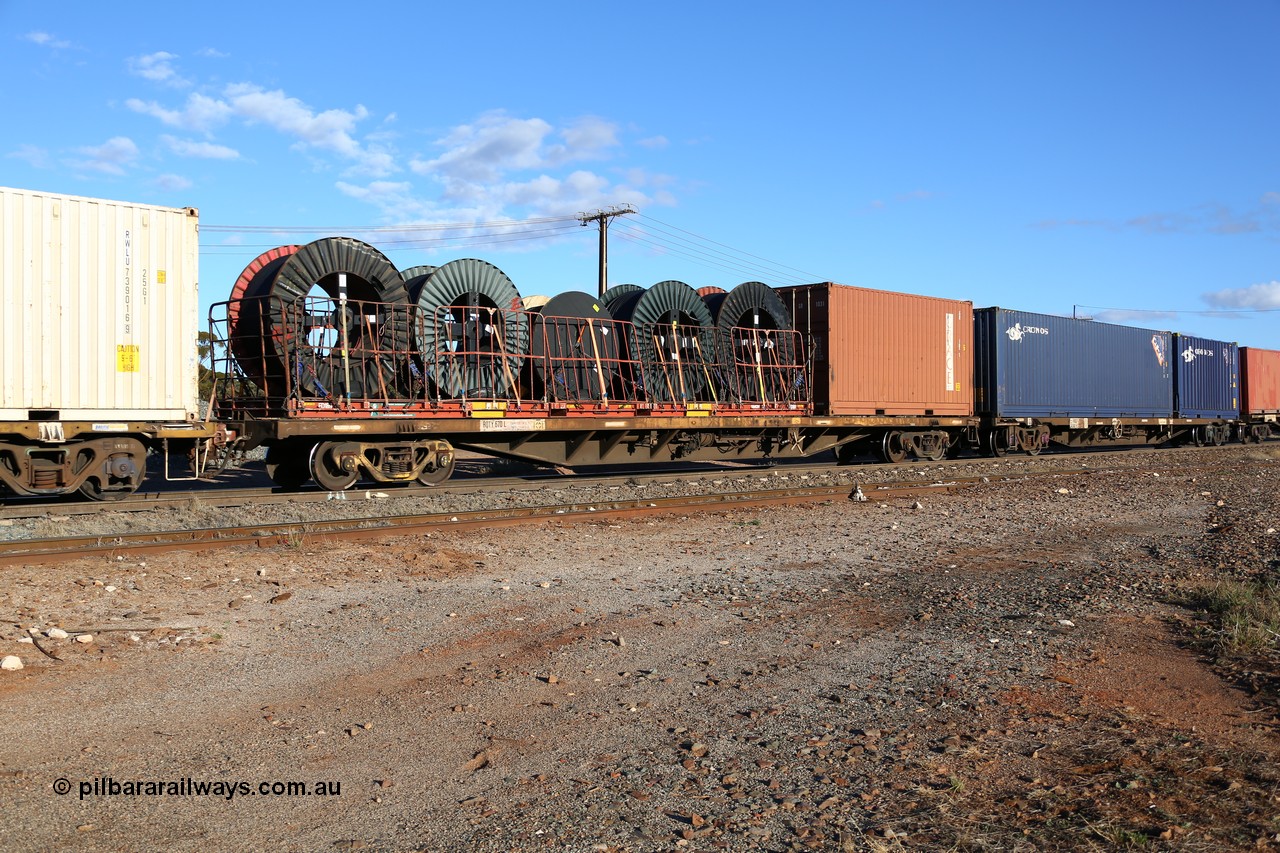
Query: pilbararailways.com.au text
[188,787]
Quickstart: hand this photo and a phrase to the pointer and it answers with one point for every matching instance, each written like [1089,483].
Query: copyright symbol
[61,785]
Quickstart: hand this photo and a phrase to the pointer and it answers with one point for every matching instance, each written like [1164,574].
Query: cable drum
[674,339]
[471,330]
[575,348]
[275,340]
[414,278]
[753,304]
[247,328]
[713,297]
[618,291]
[756,337]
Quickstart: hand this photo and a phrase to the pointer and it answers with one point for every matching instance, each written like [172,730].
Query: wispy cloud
[34,156]
[172,183]
[327,130]
[111,157]
[206,150]
[878,204]
[500,161]
[1125,317]
[211,53]
[1201,219]
[1255,297]
[47,40]
[200,114]
[478,171]
[653,142]
[158,68]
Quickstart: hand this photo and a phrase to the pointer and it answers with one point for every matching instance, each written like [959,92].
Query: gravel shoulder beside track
[1004,667]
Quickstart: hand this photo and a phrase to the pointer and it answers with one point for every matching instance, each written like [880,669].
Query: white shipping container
[98,309]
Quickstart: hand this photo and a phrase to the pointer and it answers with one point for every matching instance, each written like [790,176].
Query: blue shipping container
[1206,378]
[1041,366]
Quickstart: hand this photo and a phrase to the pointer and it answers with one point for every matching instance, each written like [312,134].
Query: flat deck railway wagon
[98,359]
[345,368]
[1044,379]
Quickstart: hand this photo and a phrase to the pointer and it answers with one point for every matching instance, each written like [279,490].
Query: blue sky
[1035,156]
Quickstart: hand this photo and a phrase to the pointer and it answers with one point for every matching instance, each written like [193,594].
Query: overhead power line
[806,276]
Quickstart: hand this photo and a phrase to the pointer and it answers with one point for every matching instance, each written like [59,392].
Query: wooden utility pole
[603,217]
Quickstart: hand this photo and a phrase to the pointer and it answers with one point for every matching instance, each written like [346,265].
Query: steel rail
[33,551]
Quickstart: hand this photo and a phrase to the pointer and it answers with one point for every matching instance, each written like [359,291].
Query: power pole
[603,217]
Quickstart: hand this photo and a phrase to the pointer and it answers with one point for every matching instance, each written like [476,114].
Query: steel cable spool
[246,326]
[713,297]
[471,330]
[618,291]
[674,339]
[376,325]
[575,347]
[747,319]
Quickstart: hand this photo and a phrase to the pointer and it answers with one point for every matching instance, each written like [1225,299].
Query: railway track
[310,532]
[313,530]
[228,497]
[32,551]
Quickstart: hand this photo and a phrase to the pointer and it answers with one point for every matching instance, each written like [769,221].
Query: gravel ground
[1005,667]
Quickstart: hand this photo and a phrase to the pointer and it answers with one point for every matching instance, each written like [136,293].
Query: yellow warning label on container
[160,277]
[128,359]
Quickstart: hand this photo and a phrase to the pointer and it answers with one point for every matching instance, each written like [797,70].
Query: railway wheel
[996,442]
[892,448]
[443,471]
[333,466]
[119,474]
[847,453]
[92,489]
[287,469]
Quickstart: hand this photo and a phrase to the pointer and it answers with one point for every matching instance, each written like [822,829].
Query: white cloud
[1254,297]
[172,182]
[47,40]
[485,150]
[200,114]
[211,53]
[329,130]
[158,68]
[36,157]
[588,138]
[496,144]
[1121,316]
[111,157]
[1208,218]
[653,142]
[206,150]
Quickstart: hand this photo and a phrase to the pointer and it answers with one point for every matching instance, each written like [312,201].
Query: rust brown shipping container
[1259,381]
[876,352]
